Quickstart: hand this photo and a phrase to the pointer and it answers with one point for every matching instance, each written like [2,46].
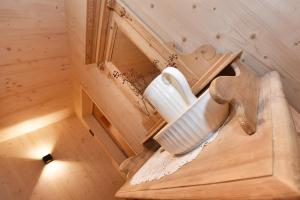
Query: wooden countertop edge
[257,188]
[286,151]
[284,182]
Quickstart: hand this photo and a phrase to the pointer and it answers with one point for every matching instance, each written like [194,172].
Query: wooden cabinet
[134,55]
[264,165]
[129,67]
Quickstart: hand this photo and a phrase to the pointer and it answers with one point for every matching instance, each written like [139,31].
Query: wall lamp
[47,158]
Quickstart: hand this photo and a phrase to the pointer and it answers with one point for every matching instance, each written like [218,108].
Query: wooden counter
[265,165]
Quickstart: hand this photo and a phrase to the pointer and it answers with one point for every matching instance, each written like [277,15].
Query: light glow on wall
[51,175]
[38,152]
[33,124]
[55,169]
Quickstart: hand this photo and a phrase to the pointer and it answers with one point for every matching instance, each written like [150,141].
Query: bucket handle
[182,85]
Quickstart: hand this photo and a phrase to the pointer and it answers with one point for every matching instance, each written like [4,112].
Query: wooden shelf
[238,166]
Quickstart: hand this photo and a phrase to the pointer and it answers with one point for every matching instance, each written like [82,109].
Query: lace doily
[163,163]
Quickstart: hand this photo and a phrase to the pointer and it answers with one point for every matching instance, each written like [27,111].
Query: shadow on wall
[23,173]
[23,178]
[26,172]
[22,168]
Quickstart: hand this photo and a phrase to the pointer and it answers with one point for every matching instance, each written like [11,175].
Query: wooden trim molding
[106,135]
[97,25]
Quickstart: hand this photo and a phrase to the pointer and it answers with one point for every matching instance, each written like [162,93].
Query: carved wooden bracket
[241,90]
[205,63]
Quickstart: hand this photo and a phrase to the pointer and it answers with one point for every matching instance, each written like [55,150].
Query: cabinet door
[131,69]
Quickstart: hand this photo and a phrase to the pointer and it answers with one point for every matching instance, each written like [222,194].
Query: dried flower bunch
[137,82]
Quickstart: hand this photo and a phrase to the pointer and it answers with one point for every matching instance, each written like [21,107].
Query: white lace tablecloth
[163,163]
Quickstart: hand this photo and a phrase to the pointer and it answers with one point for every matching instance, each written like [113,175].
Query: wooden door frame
[97,25]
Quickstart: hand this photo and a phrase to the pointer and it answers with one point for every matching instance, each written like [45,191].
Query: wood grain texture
[200,67]
[132,164]
[99,84]
[116,136]
[132,62]
[296,117]
[286,147]
[80,169]
[93,14]
[34,64]
[261,166]
[267,31]
[131,69]
[103,137]
[242,91]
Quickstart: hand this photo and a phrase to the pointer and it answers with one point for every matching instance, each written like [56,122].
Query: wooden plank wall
[267,31]
[35,91]
[80,169]
[99,85]
[34,63]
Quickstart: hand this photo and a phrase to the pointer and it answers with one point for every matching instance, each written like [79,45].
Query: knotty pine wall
[36,103]
[80,169]
[34,65]
[267,31]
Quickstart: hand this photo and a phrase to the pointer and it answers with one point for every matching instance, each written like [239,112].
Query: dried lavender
[137,82]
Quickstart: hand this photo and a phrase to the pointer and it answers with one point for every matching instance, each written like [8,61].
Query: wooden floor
[80,169]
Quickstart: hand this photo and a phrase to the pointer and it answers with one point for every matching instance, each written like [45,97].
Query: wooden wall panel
[29,99]
[36,93]
[267,31]
[27,76]
[100,85]
[34,64]
[26,48]
[80,169]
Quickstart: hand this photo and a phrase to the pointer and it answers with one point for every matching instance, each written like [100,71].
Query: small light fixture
[47,158]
